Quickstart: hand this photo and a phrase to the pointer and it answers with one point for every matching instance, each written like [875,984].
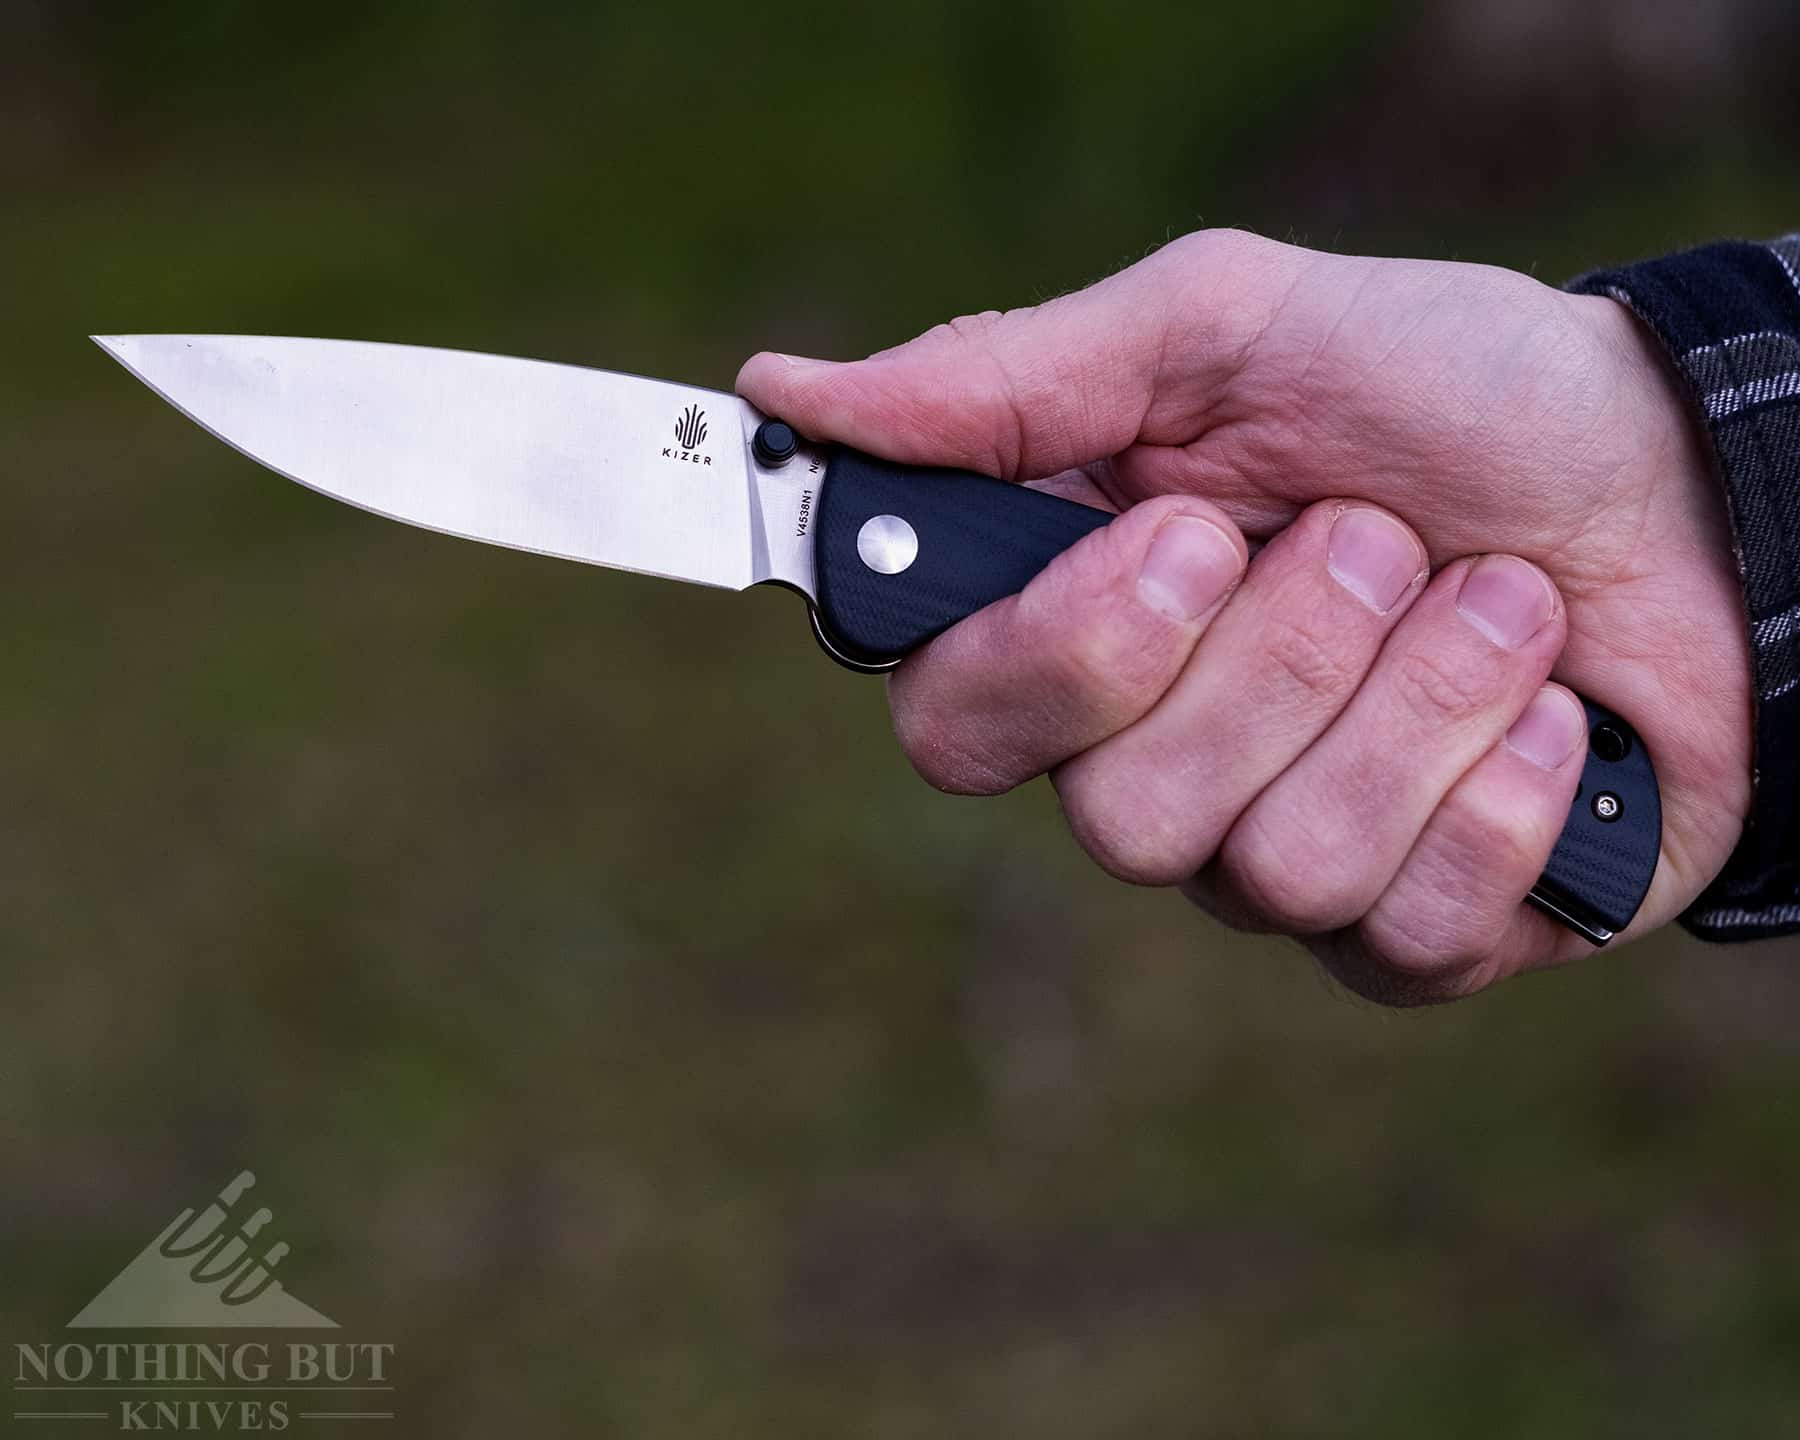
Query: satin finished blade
[588,465]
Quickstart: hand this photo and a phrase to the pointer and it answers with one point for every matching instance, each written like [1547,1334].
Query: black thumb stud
[774,444]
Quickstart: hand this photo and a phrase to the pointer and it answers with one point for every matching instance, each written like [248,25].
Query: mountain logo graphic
[212,1268]
[690,429]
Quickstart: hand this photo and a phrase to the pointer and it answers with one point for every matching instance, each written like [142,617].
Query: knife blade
[698,485]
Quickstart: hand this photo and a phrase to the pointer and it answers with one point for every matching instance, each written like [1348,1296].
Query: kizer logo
[690,430]
[210,1269]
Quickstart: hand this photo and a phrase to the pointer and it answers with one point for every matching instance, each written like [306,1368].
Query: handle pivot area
[903,553]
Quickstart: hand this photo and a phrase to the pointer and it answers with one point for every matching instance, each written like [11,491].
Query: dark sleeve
[1730,316]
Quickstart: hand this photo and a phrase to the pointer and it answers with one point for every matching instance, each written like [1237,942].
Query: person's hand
[1322,751]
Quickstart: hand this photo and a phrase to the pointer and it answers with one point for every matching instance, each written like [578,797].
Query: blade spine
[101,341]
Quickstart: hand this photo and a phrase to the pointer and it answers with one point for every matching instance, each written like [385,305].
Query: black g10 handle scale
[902,553]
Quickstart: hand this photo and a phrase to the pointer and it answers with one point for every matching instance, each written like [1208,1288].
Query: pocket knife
[697,485]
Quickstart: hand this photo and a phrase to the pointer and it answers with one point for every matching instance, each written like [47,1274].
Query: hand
[1302,756]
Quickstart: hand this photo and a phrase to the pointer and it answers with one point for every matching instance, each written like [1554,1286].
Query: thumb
[1028,393]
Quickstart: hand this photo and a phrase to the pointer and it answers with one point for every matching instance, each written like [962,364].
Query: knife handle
[902,553]
[1606,856]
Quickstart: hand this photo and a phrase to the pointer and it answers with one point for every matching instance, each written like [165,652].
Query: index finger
[1026,393]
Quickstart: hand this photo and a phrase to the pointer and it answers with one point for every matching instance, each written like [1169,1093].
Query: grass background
[616,1025]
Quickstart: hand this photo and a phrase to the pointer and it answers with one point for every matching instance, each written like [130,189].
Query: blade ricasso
[785,498]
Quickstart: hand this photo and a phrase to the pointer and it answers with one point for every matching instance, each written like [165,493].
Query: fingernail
[1190,565]
[1506,599]
[1549,731]
[1374,557]
[801,362]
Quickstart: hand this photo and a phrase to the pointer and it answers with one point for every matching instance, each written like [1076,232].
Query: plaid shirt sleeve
[1730,316]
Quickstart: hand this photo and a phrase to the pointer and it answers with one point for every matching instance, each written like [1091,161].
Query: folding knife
[697,485]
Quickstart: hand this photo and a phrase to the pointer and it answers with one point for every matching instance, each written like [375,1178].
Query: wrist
[1685,551]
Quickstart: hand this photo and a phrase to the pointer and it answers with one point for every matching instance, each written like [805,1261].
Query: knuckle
[1093,639]
[1309,657]
[1224,283]
[1109,665]
[1283,874]
[1124,841]
[1486,845]
[1370,974]
[1439,686]
[1217,246]
[1138,818]
[976,326]
[943,757]
[1439,932]
[1425,945]
[974,336]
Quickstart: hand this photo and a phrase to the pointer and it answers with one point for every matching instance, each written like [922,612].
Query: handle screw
[887,544]
[1610,743]
[1607,806]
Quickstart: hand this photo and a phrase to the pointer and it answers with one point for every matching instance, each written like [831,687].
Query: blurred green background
[614,1022]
